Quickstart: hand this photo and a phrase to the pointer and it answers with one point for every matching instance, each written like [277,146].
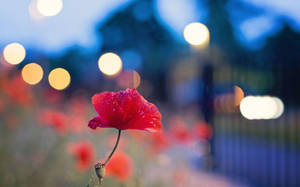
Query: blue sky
[76,23]
[252,32]
[73,25]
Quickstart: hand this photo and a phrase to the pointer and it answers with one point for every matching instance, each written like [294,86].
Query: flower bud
[100,171]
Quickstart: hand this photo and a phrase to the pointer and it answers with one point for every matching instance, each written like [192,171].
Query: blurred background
[223,73]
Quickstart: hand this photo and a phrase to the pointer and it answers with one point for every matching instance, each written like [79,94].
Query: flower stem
[114,149]
[100,168]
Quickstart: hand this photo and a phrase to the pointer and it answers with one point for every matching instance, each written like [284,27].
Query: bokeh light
[110,64]
[49,7]
[280,107]
[261,107]
[248,107]
[268,107]
[136,79]
[14,53]
[196,34]
[33,11]
[59,78]
[238,95]
[229,102]
[32,73]
[129,79]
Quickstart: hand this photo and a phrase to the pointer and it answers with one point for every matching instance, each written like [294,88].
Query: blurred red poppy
[17,91]
[202,131]
[53,97]
[120,166]
[57,120]
[84,154]
[159,142]
[179,130]
[125,110]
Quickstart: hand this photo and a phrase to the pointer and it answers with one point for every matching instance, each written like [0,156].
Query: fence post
[207,107]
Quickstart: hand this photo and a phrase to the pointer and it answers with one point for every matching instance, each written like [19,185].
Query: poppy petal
[125,110]
[97,122]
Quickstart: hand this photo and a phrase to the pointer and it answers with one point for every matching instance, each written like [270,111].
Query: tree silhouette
[282,52]
[136,28]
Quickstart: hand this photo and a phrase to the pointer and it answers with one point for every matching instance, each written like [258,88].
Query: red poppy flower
[159,142]
[84,154]
[57,120]
[17,91]
[179,130]
[53,96]
[120,166]
[202,131]
[125,110]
